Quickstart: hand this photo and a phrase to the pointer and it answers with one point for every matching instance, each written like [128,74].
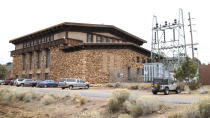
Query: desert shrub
[113,105]
[47,99]
[204,107]
[110,85]
[145,86]
[175,115]
[181,85]
[117,85]
[191,111]
[121,95]
[28,96]
[193,85]
[149,104]
[11,96]
[132,109]
[134,87]
[76,97]
[124,116]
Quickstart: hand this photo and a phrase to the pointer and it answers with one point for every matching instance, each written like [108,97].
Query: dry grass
[134,106]
[76,97]
[200,110]
[204,107]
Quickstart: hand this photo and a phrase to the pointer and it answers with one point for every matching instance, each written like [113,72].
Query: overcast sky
[20,17]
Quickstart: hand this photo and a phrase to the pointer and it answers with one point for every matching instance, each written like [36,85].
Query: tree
[186,71]
[3,71]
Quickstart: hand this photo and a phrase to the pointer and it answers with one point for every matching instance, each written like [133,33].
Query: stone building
[75,50]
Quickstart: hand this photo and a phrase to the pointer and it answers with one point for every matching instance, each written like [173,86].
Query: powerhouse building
[77,50]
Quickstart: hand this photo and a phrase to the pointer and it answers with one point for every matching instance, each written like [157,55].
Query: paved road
[106,93]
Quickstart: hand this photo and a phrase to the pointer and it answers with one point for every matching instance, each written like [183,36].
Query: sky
[21,17]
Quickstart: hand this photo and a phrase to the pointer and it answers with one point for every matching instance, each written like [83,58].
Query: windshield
[160,81]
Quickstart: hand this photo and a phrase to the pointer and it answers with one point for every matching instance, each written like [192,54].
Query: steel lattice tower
[168,42]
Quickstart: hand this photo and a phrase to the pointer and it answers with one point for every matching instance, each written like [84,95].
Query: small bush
[134,87]
[121,95]
[113,105]
[149,104]
[47,99]
[132,109]
[204,107]
[117,85]
[175,115]
[181,85]
[191,111]
[124,116]
[193,85]
[110,85]
[145,86]
[76,97]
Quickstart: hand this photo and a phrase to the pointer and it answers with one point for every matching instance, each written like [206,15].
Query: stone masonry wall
[93,66]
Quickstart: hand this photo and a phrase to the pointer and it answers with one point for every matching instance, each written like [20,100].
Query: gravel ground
[106,93]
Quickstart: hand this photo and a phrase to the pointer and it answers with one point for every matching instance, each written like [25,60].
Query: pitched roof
[70,26]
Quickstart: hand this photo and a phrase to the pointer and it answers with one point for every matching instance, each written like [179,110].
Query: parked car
[35,83]
[12,82]
[1,82]
[164,85]
[7,81]
[19,81]
[48,83]
[72,83]
[24,82]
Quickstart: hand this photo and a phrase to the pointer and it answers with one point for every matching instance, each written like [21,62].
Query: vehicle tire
[87,87]
[154,92]
[166,91]
[45,86]
[22,85]
[178,90]
[71,87]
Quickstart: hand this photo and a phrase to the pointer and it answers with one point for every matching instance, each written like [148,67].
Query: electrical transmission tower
[168,42]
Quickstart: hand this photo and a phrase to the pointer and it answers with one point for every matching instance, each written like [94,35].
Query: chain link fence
[127,76]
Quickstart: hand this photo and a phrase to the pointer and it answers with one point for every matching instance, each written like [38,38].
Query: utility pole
[190,25]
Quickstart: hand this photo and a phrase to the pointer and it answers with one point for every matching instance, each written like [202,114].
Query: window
[28,44]
[51,37]
[47,58]
[31,61]
[90,38]
[39,60]
[30,76]
[137,71]
[24,61]
[137,59]
[35,42]
[24,45]
[32,43]
[142,72]
[105,39]
[71,80]
[38,76]
[43,40]
[47,39]
[143,60]
[39,41]
[46,76]
[98,40]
